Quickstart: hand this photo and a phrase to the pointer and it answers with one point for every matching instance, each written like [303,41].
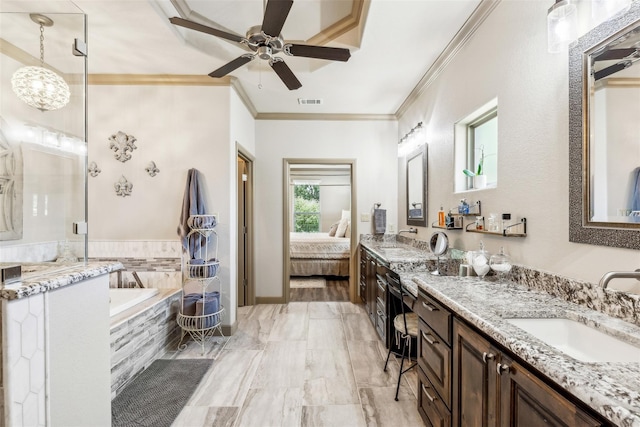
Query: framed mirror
[604,151]
[417,187]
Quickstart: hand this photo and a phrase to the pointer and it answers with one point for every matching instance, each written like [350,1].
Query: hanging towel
[635,190]
[193,203]
[379,221]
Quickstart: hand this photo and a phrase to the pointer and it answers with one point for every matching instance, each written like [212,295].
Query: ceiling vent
[309,101]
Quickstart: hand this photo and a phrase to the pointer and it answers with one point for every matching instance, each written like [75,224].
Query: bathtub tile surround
[609,388]
[141,334]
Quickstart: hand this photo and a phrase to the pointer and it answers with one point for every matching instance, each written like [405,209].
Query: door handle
[424,390]
[428,339]
[487,356]
[502,368]
[429,307]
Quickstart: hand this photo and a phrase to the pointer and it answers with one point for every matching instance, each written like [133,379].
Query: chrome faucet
[604,282]
[410,230]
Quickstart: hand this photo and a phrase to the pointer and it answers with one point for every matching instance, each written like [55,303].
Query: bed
[318,254]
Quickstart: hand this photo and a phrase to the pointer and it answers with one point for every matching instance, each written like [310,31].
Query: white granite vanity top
[612,389]
[401,257]
[42,277]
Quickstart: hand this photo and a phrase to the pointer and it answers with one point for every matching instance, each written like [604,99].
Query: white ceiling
[399,41]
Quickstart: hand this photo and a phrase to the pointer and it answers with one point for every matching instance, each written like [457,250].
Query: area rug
[157,395]
[307,282]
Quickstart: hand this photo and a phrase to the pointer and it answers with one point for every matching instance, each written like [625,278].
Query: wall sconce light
[601,10]
[37,86]
[562,25]
[411,140]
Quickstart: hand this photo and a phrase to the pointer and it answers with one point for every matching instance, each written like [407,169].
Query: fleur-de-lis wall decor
[122,144]
[123,187]
[151,169]
[93,169]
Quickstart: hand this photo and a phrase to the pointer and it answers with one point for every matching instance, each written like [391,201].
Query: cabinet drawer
[436,316]
[434,357]
[381,292]
[431,409]
[381,322]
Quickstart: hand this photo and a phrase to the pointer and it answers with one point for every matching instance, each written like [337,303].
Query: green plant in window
[480,169]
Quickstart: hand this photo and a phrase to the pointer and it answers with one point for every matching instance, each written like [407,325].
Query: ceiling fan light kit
[265,45]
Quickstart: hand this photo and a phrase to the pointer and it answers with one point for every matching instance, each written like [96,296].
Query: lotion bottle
[441,221]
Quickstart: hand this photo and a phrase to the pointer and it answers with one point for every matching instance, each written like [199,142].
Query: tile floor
[300,364]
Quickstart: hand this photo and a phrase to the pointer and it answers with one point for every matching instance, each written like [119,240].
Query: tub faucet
[410,230]
[604,282]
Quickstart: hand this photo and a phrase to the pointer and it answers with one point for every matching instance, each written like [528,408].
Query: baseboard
[270,300]
[229,330]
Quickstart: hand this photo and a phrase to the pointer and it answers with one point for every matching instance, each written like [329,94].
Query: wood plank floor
[337,289]
[300,364]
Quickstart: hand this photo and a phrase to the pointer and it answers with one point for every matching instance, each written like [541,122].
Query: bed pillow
[333,229]
[346,214]
[342,227]
[347,232]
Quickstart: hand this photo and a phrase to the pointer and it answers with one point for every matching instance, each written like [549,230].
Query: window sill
[476,190]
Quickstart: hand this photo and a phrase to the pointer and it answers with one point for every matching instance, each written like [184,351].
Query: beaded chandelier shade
[37,86]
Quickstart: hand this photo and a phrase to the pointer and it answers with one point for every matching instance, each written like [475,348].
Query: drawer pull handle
[429,307]
[502,368]
[429,338]
[487,356]
[424,390]
[380,313]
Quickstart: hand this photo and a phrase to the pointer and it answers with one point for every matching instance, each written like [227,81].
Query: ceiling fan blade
[614,54]
[320,52]
[236,63]
[611,70]
[275,15]
[286,75]
[205,29]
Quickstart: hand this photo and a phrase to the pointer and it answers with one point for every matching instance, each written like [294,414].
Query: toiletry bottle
[506,219]
[441,221]
[479,223]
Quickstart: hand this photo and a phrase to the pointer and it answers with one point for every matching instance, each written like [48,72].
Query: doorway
[245,282]
[319,230]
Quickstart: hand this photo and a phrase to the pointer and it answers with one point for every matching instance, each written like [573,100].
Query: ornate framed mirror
[604,151]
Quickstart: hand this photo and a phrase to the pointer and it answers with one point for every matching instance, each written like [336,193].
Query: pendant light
[37,86]
[562,25]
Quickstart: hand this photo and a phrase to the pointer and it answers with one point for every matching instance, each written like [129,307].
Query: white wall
[507,58]
[371,143]
[178,127]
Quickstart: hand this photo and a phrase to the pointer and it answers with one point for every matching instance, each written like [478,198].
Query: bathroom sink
[578,340]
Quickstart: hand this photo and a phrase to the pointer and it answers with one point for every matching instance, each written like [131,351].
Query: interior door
[242,232]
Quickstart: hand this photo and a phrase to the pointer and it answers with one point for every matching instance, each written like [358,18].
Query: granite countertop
[43,277]
[611,389]
[401,257]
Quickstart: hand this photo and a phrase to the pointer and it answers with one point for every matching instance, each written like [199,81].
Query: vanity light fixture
[562,25]
[601,10]
[37,86]
[411,140]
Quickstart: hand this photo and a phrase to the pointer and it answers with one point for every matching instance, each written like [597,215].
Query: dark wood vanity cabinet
[434,361]
[492,389]
[373,291]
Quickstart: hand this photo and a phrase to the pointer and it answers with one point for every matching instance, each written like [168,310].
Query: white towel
[379,221]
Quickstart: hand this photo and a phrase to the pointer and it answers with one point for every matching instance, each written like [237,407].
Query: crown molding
[157,79]
[463,35]
[320,116]
[619,82]
[26,59]
[355,19]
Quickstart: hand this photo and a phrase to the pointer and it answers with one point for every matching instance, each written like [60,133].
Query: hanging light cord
[41,45]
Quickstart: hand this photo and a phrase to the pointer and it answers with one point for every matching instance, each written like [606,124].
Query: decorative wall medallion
[123,187]
[151,169]
[93,169]
[122,144]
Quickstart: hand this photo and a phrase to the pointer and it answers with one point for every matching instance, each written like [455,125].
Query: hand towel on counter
[379,221]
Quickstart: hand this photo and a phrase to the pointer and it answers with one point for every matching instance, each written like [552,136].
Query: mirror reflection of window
[415,188]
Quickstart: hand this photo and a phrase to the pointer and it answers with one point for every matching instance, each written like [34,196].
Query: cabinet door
[528,402]
[475,385]
[371,289]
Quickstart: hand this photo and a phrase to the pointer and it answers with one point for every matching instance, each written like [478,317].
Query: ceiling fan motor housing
[265,52]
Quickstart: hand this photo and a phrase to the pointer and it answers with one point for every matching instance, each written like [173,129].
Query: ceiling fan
[266,41]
